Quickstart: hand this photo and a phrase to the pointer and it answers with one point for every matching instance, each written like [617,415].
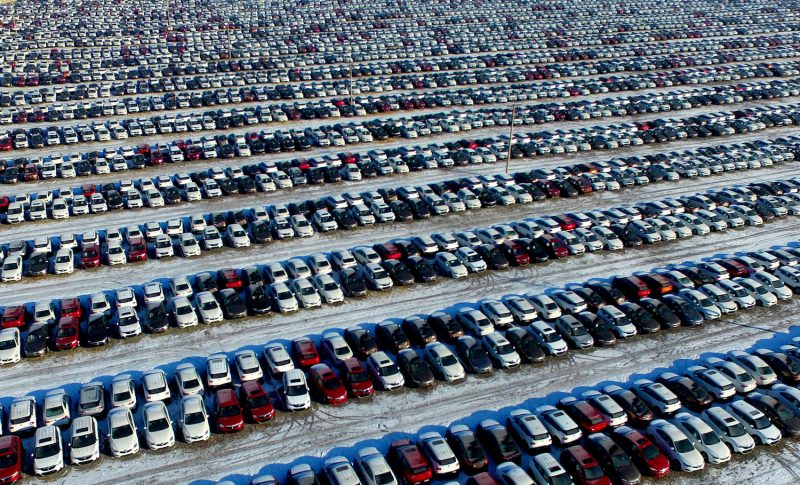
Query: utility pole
[510,135]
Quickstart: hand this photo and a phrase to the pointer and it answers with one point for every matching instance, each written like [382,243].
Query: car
[158,430]
[755,289]
[501,350]
[443,362]
[305,352]
[528,429]
[247,366]
[188,380]
[183,313]
[544,468]
[728,429]
[449,265]
[561,427]
[193,419]
[208,307]
[686,311]
[385,371]
[155,386]
[47,451]
[255,402]
[584,467]
[475,321]
[408,459]
[228,411]
[498,441]
[548,338]
[742,381]
[305,293]
[755,366]
[84,444]
[545,306]
[573,332]
[294,391]
[703,437]
[10,349]
[757,425]
[373,468]
[675,445]
[642,451]
[123,437]
[326,385]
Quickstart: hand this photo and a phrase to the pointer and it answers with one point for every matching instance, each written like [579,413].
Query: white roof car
[180,286]
[385,371]
[158,430]
[208,307]
[305,293]
[295,391]
[247,365]
[561,427]
[123,392]
[675,445]
[153,292]
[155,385]
[194,419]
[339,471]
[755,366]
[703,437]
[22,415]
[529,430]
[128,322]
[84,444]
[218,372]
[712,381]
[739,377]
[188,380]
[277,358]
[10,346]
[183,312]
[373,467]
[123,438]
[48,452]
[442,458]
[283,298]
[612,412]
[729,429]
[510,472]
[444,363]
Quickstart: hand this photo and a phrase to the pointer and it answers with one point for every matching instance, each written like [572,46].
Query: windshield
[47,450]
[158,425]
[82,441]
[229,411]
[297,390]
[121,432]
[683,446]
[209,305]
[194,418]
[650,452]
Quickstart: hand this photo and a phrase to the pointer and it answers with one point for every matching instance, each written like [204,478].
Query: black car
[529,351]
[601,332]
[352,282]
[474,356]
[593,301]
[361,341]
[496,438]
[344,219]
[616,463]
[406,248]
[261,232]
[688,391]
[786,419]
[641,318]
[608,293]
[787,367]
[232,304]
[415,369]
[36,344]
[661,312]
[447,327]
[493,257]
[258,301]
[684,310]
[391,337]
[638,412]
[627,236]
[399,272]
[402,212]
[419,330]
[468,449]
[421,268]
[38,264]
[419,209]
[157,319]
[97,332]
[535,250]
[206,282]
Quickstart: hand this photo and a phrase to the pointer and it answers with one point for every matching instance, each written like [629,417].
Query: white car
[208,307]
[470,259]
[658,397]
[773,284]
[193,419]
[729,429]
[529,430]
[183,312]
[740,378]
[319,264]
[443,362]
[561,427]
[237,237]
[48,452]
[305,293]
[609,240]
[703,437]
[721,298]
[738,294]
[758,291]
[153,292]
[755,366]
[158,432]
[84,442]
[545,306]
[548,338]
[218,372]
[115,254]
[702,303]
[450,265]
[295,392]
[520,308]
[373,467]
[475,321]
[128,322]
[328,288]
[385,371]
[619,322]
[712,381]
[123,392]
[188,245]
[10,346]
[277,358]
[123,438]
[755,423]
[377,277]
[247,365]
[155,386]
[510,472]
[188,380]
[12,268]
[56,408]
[64,262]
[211,238]
[441,457]
[297,268]
[675,445]
[501,351]
[611,411]
[496,311]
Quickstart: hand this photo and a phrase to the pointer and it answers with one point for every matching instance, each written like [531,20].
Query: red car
[642,451]
[554,247]
[13,316]
[6,144]
[67,333]
[326,385]
[88,190]
[71,307]
[735,268]
[583,467]
[229,278]
[584,414]
[566,223]
[137,250]
[387,251]
[632,286]
[356,378]
[481,479]
[305,352]
[229,412]
[515,252]
[256,402]
[90,256]
[10,459]
[407,457]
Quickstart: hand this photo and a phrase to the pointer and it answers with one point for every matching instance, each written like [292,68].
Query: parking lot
[273,243]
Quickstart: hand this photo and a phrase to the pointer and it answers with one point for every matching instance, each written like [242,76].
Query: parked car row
[446,346]
[328,279]
[620,433]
